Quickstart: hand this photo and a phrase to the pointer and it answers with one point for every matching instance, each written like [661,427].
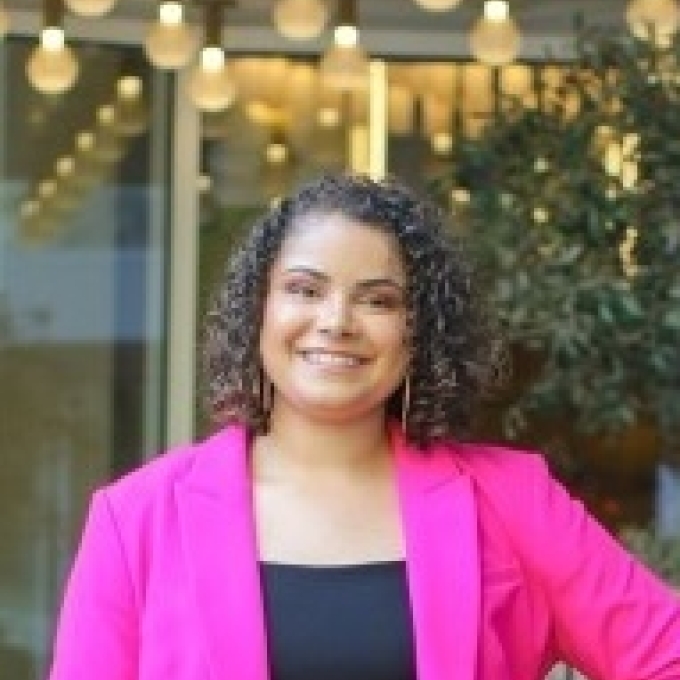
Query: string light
[495,38]
[90,8]
[170,43]
[300,19]
[437,5]
[52,68]
[345,66]
[210,85]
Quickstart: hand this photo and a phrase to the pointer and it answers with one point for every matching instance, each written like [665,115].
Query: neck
[320,447]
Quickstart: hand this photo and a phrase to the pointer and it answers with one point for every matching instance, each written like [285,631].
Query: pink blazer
[507,574]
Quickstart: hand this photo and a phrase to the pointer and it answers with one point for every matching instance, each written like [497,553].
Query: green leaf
[605,313]
[570,254]
[630,307]
[671,319]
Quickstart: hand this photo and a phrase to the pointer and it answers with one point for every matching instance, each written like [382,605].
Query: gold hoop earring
[405,402]
[265,394]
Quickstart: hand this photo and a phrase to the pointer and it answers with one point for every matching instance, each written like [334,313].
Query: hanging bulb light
[131,112]
[64,167]
[211,87]
[437,5]
[329,113]
[90,8]
[68,196]
[495,39]
[108,148]
[52,68]
[170,43]
[88,169]
[656,20]
[277,151]
[345,65]
[300,19]
[4,21]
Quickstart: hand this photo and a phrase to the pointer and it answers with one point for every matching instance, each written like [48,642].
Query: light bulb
[276,153]
[52,38]
[328,117]
[89,169]
[85,141]
[129,88]
[495,39]
[212,59]
[441,143]
[52,68]
[108,147]
[210,85]
[29,209]
[300,19]
[460,195]
[170,43]
[106,115]
[132,118]
[67,197]
[346,35]
[653,19]
[496,10]
[437,5]
[4,22]
[90,8]
[65,167]
[47,189]
[344,68]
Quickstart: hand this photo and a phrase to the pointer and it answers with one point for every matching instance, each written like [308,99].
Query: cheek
[394,336]
[280,320]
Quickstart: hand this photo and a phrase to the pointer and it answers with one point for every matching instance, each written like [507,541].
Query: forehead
[336,244]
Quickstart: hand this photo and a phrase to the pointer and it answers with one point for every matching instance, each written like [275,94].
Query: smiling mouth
[332,359]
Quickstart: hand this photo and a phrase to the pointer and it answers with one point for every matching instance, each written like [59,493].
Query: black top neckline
[340,567]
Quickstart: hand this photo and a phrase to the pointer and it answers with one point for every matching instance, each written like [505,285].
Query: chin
[339,410]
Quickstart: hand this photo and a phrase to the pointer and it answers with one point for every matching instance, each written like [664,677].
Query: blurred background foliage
[661,554]
[573,206]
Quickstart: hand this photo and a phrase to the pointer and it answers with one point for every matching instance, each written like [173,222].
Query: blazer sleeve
[97,628]
[612,618]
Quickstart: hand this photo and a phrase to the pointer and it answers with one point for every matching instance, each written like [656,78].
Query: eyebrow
[366,283]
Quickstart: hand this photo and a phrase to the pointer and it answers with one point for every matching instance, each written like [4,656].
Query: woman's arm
[613,619]
[97,634]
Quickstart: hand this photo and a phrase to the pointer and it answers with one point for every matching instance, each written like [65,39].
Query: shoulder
[155,483]
[153,477]
[494,462]
[493,469]
[513,483]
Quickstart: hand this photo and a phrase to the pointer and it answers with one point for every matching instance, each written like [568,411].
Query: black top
[338,623]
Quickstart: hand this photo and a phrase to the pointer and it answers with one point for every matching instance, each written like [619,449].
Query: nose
[335,317]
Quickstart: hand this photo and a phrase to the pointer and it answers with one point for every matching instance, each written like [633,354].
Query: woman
[335,527]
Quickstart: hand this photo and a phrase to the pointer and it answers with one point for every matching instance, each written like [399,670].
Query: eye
[302,289]
[382,301]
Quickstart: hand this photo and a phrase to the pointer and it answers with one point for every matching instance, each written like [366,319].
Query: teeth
[325,359]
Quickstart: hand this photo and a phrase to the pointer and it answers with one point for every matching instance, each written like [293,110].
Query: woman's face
[333,337]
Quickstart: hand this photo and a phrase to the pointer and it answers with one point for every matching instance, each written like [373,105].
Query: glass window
[83,222]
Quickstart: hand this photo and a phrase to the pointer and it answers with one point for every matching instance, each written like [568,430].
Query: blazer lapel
[442,553]
[217,529]
[443,561]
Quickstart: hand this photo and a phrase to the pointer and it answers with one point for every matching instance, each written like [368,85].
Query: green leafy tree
[575,211]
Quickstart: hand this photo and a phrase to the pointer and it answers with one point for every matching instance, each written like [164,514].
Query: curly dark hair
[455,347]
